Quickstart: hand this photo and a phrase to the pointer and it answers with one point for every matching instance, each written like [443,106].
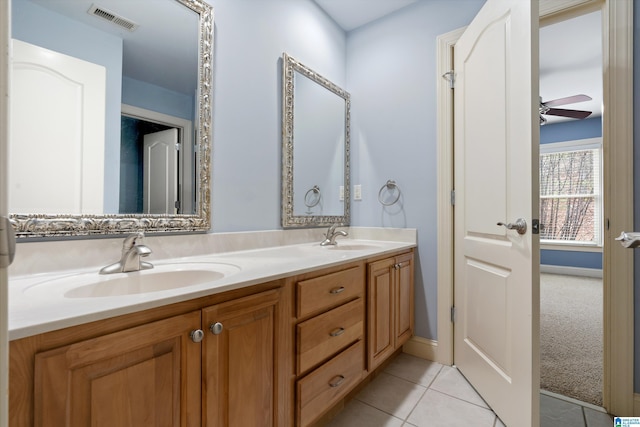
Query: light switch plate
[357,192]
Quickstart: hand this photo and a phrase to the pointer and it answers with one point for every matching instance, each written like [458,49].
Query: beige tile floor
[416,392]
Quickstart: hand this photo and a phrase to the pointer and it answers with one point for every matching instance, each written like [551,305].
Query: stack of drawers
[330,356]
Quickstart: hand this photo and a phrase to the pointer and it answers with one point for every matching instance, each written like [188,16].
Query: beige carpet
[571,336]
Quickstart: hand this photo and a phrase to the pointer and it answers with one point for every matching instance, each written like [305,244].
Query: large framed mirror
[315,148]
[110,117]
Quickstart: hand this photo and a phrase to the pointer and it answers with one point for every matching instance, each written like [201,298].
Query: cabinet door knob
[338,290]
[216,328]
[197,335]
[336,381]
[337,332]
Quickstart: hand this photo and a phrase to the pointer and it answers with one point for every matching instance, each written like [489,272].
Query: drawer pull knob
[216,328]
[336,381]
[335,291]
[337,332]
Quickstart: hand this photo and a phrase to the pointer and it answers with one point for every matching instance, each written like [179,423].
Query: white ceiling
[570,51]
[571,62]
[351,14]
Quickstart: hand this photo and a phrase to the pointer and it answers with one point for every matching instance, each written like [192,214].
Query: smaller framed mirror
[315,148]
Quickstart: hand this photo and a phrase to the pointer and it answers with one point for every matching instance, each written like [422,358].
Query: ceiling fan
[546,108]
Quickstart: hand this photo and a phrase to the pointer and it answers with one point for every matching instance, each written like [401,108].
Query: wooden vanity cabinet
[157,372]
[144,376]
[330,350]
[390,310]
[281,353]
[239,362]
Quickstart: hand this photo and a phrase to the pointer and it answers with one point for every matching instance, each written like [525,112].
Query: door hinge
[453,314]
[450,76]
[453,197]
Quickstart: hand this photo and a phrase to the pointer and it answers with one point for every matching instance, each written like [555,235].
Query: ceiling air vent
[114,18]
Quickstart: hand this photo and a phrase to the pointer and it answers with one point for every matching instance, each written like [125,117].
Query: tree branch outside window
[569,195]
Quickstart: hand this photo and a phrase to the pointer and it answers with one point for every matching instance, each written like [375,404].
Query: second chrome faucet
[330,237]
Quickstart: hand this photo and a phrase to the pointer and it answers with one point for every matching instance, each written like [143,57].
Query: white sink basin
[161,278]
[351,247]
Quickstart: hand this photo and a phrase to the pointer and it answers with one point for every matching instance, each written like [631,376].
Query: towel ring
[390,185]
[315,191]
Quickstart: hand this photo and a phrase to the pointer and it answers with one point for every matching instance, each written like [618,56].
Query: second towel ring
[390,185]
[316,191]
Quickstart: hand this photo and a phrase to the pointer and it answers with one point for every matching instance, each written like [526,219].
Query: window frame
[578,145]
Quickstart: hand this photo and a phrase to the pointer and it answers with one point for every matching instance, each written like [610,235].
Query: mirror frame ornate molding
[46,225]
[289,219]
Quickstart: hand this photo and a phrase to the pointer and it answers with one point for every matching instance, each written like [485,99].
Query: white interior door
[160,172]
[496,270]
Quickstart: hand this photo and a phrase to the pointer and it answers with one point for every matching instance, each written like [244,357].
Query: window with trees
[570,192]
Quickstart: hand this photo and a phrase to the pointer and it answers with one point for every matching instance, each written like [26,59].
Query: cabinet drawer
[330,290]
[325,335]
[319,390]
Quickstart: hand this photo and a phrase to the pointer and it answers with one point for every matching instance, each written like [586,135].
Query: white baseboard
[571,271]
[423,348]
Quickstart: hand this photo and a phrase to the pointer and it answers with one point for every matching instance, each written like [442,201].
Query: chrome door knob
[520,225]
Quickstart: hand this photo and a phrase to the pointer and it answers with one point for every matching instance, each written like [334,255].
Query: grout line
[378,409]
[416,405]
[413,382]
[465,401]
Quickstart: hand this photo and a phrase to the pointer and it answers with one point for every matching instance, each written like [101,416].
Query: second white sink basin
[160,278]
[351,247]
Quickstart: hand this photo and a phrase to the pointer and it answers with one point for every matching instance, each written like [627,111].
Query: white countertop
[37,302]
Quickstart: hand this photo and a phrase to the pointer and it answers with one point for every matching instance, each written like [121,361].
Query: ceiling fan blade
[568,100]
[574,114]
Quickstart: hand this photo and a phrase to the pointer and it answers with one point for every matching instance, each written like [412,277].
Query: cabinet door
[380,312]
[404,298]
[144,376]
[239,361]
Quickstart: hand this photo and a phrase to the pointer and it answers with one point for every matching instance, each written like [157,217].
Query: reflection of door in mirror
[135,123]
[161,172]
[57,133]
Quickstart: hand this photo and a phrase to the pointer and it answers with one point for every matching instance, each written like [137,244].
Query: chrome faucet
[330,237]
[133,249]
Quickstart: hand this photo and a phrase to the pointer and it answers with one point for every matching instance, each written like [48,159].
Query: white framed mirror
[315,148]
[127,148]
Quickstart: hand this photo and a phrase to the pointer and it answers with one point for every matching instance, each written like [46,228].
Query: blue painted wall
[250,37]
[155,98]
[569,131]
[571,259]
[391,75]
